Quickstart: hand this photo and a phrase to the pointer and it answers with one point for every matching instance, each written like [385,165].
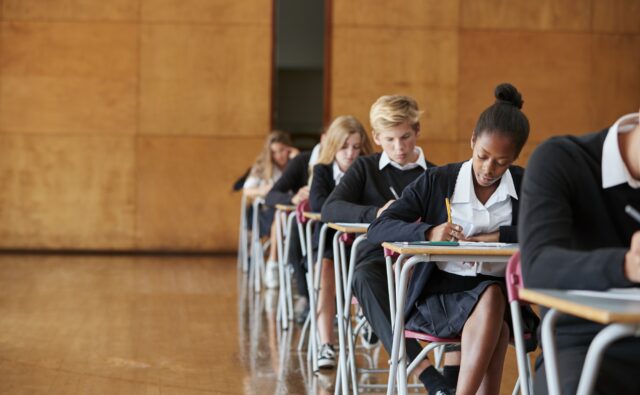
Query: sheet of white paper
[481,244]
[614,293]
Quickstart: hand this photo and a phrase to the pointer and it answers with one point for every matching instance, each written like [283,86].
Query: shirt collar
[337,173]
[614,170]
[315,154]
[463,191]
[420,162]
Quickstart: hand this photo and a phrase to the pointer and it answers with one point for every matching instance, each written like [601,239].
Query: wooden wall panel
[553,72]
[557,15]
[412,13]
[211,11]
[73,192]
[615,77]
[205,80]
[368,63]
[619,16]
[68,77]
[112,10]
[184,191]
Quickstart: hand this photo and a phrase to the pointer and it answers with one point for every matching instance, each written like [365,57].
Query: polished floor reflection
[74,324]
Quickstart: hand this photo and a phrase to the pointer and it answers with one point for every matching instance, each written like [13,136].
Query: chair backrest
[301,208]
[390,253]
[513,278]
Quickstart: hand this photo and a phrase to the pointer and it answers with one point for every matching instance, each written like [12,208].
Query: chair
[514,281]
[243,242]
[284,228]
[513,278]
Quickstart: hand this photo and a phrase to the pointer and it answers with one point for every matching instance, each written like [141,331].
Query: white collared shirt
[476,218]
[315,154]
[337,173]
[614,170]
[254,182]
[385,160]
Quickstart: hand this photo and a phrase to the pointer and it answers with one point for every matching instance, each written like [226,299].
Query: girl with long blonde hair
[344,142]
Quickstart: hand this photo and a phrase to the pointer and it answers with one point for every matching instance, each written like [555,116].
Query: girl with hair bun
[465,299]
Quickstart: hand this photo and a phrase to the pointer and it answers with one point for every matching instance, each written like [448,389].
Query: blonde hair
[392,110]
[337,134]
[263,166]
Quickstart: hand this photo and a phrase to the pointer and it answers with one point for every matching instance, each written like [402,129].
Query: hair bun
[508,94]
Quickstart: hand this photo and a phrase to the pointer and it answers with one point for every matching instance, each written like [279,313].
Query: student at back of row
[267,169]
[291,189]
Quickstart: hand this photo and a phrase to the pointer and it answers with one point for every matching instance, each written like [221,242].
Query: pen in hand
[632,212]
[448,204]
[395,194]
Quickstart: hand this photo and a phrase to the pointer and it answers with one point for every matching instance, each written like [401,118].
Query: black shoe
[445,392]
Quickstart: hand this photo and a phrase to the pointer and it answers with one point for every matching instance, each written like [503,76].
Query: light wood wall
[576,62]
[124,123]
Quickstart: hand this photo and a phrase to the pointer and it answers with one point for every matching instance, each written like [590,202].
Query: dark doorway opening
[298,89]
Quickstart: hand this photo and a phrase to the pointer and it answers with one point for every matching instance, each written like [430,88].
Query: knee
[505,333]
[494,298]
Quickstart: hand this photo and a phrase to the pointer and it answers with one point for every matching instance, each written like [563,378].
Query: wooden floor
[146,325]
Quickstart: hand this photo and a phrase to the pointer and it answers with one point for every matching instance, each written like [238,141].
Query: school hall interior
[124,125]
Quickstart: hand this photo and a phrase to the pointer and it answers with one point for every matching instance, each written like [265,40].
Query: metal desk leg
[550,355]
[596,351]
[342,365]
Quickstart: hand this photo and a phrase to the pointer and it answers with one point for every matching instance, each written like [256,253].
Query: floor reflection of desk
[621,317]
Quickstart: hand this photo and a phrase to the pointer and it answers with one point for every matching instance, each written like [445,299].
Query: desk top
[595,308]
[285,207]
[346,227]
[411,249]
[310,215]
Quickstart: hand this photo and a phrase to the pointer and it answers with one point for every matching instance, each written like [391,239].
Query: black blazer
[321,186]
[424,200]
[294,177]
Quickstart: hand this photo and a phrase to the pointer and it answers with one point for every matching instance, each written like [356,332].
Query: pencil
[632,212]
[395,194]
[448,203]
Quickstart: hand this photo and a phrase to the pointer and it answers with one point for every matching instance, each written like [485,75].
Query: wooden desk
[345,227]
[343,303]
[284,219]
[419,254]
[452,253]
[313,284]
[287,208]
[622,318]
[311,216]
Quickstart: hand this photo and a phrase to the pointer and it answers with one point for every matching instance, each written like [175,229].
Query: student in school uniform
[366,190]
[266,170]
[575,234]
[344,141]
[291,188]
[462,299]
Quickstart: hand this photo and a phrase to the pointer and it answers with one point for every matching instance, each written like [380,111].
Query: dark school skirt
[265,219]
[448,300]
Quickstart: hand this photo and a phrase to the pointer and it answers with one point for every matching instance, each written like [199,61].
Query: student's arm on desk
[341,204]
[632,259]
[289,183]
[545,225]
[321,187]
[398,221]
